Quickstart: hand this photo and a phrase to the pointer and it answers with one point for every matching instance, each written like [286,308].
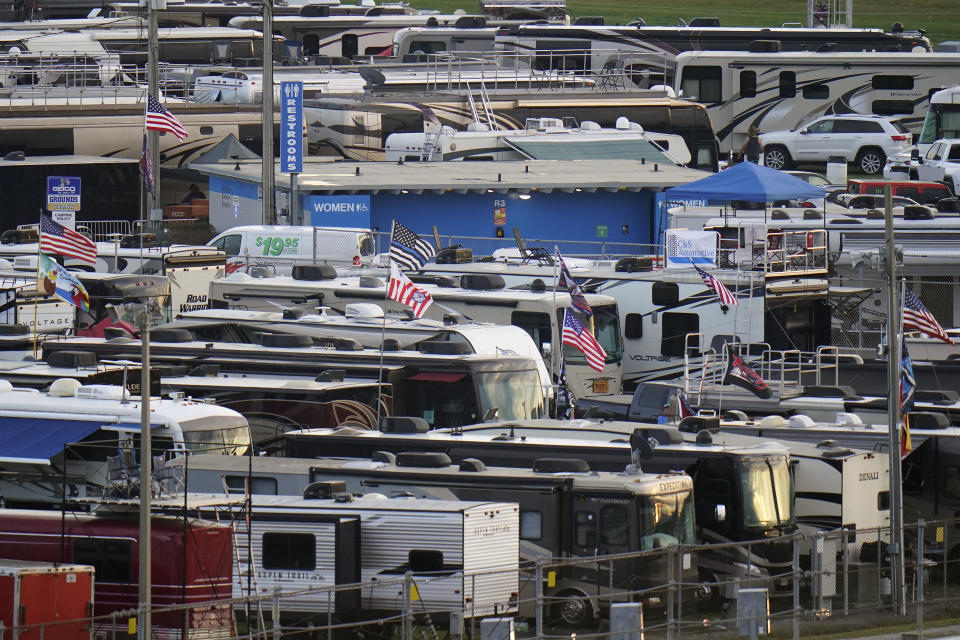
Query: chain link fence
[809,578]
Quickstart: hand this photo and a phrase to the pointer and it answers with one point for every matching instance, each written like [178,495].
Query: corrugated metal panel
[491,548]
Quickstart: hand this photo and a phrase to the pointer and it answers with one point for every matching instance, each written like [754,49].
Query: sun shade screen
[36,440]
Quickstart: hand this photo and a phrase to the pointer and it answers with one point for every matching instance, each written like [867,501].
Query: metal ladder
[487,116]
[429,144]
[239,521]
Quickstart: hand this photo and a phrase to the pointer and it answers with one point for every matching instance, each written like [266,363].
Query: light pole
[146,483]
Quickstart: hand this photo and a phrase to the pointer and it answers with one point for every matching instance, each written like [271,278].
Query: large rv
[942,119]
[646,53]
[482,298]
[566,510]
[357,128]
[775,91]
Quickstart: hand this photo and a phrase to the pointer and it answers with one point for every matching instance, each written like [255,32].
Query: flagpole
[153,89]
[556,364]
[36,298]
[893,412]
[383,331]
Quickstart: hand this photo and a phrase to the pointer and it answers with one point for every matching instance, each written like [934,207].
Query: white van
[279,248]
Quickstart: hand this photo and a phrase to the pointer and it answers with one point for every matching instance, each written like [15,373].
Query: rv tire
[870,160]
[776,156]
[573,609]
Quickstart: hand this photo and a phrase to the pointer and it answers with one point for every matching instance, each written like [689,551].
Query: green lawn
[940,18]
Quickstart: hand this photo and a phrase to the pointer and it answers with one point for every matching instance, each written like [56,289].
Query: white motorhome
[279,248]
[777,91]
[480,297]
[463,556]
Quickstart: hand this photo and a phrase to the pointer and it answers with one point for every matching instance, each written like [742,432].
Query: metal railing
[817,576]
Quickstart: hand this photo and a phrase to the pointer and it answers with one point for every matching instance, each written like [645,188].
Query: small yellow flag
[551,578]
[132,626]
[414,593]
[939,534]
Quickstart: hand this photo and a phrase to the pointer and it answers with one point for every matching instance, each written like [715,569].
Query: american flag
[409,250]
[577,298]
[916,316]
[159,119]
[146,169]
[580,338]
[59,240]
[907,386]
[714,283]
[405,292]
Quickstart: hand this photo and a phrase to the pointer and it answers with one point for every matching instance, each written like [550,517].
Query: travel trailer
[776,91]
[282,247]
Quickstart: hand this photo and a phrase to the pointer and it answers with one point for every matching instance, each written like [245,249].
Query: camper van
[275,249]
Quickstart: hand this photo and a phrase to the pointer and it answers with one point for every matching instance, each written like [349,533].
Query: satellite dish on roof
[372,76]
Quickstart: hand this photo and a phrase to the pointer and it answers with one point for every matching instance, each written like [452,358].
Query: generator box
[46,600]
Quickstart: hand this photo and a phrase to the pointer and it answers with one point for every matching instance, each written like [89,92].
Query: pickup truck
[647,404]
[941,163]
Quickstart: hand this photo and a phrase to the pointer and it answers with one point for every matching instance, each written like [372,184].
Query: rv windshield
[517,394]
[224,435]
[667,520]
[942,121]
[605,326]
[767,492]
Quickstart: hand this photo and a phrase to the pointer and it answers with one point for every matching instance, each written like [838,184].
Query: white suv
[866,140]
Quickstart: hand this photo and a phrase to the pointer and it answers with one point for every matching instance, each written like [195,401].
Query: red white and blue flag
[405,292]
[577,299]
[713,283]
[917,317]
[580,338]
[59,240]
[159,119]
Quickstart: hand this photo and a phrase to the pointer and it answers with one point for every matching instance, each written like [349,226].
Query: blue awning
[36,440]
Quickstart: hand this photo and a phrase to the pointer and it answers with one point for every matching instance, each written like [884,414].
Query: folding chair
[540,254]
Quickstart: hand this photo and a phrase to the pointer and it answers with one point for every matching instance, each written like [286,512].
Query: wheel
[777,157]
[871,160]
[573,609]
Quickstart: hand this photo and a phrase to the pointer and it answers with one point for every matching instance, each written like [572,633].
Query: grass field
[940,18]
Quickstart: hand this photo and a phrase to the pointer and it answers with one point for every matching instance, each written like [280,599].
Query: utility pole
[893,415]
[153,87]
[146,483]
[267,171]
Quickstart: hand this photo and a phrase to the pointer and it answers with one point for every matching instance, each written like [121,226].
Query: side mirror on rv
[720,512]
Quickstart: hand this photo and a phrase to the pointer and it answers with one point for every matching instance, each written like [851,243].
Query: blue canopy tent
[749,182]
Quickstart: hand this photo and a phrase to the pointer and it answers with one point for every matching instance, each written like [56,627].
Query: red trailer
[192,562]
[51,600]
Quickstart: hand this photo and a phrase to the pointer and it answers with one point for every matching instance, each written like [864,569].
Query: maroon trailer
[192,563]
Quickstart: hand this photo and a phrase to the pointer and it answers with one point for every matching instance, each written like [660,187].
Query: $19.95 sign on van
[700,247]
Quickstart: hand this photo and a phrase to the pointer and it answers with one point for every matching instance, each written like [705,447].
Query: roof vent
[704,438]
[386,457]
[292,314]
[482,281]
[285,340]
[444,348]
[767,422]
[371,282]
[324,490]
[848,420]
[633,265]
[314,272]
[779,214]
[171,335]
[63,388]
[72,359]
[918,212]
[696,424]
[391,344]
[331,375]
[927,420]
[445,282]
[347,344]
[829,391]
[472,465]
[424,459]
[800,421]
[404,424]
[560,465]
[453,318]
[109,333]
[812,214]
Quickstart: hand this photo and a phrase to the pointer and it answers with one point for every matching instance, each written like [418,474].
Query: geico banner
[698,246]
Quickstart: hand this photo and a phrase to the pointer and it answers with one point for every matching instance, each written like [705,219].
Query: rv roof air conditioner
[454,255]
[470,22]
[765,46]
[63,388]
[385,457]
[314,272]
[633,265]
[936,396]
[423,459]
[324,490]
[71,359]
[927,420]
[109,333]
[919,212]
[347,344]
[446,282]
[560,465]
[444,348]
[696,424]
[704,22]
[800,422]
[285,341]
[363,310]
[371,282]
[590,21]
[404,424]
[482,281]
[472,465]
[391,344]
[171,335]
[767,422]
